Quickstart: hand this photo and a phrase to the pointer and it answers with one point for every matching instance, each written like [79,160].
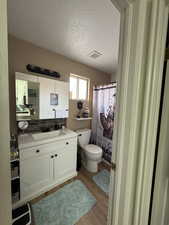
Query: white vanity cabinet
[45,166]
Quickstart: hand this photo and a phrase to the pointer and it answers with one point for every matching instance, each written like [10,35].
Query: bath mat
[64,207]
[102,179]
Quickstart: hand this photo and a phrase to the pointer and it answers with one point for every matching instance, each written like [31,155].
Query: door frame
[5,189]
[141,53]
[160,188]
[152,107]
[137,114]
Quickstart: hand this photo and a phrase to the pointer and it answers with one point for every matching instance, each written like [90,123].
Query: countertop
[33,139]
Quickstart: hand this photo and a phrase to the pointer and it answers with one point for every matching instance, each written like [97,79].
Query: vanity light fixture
[38,69]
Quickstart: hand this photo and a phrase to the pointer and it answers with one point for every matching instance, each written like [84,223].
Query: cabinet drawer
[67,144]
[35,151]
[57,146]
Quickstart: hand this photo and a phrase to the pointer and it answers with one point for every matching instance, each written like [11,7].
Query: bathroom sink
[32,139]
[51,134]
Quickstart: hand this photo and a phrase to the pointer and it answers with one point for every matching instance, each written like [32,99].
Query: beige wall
[114,77]
[21,53]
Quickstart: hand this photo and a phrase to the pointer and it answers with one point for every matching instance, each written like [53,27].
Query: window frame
[77,89]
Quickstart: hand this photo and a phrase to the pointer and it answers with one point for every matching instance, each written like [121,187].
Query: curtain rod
[113,82]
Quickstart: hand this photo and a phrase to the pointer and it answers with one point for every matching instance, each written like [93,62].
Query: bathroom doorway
[111,207]
[72,51]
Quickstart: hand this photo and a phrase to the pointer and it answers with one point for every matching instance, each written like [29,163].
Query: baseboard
[42,191]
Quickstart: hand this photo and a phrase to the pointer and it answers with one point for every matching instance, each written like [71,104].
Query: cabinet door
[65,163]
[36,173]
[62,89]
[46,89]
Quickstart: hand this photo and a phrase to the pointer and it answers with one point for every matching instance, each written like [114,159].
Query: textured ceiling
[72,28]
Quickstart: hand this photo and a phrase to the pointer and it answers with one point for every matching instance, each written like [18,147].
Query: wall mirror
[40,97]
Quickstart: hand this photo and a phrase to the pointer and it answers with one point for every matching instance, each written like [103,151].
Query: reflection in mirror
[27,99]
[40,97]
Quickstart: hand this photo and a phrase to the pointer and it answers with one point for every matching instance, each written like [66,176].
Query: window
[79,87]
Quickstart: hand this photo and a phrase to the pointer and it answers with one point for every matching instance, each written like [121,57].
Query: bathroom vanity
[46,160]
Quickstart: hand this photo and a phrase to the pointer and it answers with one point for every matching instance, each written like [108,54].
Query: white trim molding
[5,187]
[159,209]
[142,45]
[115,209]
[156,54]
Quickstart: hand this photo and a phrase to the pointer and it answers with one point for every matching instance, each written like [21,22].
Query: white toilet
[91,154]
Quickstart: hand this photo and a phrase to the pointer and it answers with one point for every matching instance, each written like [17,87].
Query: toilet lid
[93,148]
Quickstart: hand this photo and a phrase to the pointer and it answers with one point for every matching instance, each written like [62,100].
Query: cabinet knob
[52,156]
[56,155]
[67,143]
[37,151]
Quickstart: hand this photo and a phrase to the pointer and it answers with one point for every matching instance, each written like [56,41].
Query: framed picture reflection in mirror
[53,99]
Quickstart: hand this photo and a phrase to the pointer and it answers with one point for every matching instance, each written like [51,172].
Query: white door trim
[143,33]
[156,56]
[5,186]
[124,56]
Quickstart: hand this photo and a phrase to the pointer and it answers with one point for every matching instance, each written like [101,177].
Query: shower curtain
[104,103]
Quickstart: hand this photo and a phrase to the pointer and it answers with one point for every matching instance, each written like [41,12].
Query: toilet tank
[83,136]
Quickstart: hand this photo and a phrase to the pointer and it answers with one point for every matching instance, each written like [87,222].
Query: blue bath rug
[102,179]
[64,207]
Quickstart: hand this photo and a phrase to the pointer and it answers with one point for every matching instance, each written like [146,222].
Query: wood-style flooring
[98,214]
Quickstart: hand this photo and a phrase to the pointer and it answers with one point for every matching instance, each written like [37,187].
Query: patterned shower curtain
[104,103]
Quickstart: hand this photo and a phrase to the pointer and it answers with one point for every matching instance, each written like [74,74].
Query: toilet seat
[93,149]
